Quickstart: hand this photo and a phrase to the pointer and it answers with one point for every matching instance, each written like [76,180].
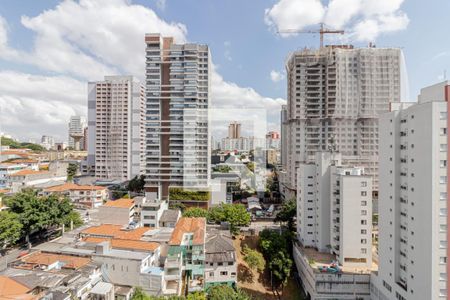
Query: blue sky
[47,58]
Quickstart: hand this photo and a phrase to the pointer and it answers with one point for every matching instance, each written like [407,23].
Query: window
[443,244]
[443,131]
[443,180]
[363,203]
[233,274]
[220,264]
[364,184]
[442,228]
[363,212]
[223,273]
[443,196]
[363,250]
[443,260]
[211,274]
[443,276]
[443,115]
[363,222]
[443,163]
[443,147]
[363,241]
[442,292]
[363,231]
[363,193]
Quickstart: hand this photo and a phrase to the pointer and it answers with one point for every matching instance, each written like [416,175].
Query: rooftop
[121,203]
[169,215]
[115,231]
[219,246]
[37,259]
[125,244]
[196,226]
[11,289]
[71,186]
[28,172]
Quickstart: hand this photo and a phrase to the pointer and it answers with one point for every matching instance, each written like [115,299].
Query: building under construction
[116,128]
[335,95]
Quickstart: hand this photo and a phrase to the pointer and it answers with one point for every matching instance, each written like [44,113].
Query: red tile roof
[125,244]
[115,231]
[73,187]
[28,172]
[71,262]
[122,203]
[189,225]
[11,289]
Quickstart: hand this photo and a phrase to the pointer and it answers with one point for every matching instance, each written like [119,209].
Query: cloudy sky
[49,49]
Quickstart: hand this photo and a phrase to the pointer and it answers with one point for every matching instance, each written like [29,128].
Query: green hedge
[180,194]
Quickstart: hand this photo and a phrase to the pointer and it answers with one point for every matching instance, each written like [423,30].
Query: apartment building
[234,130]
[116,114]
[335,95]
[76,127]
[82,196]
[7,169]
[177,124]
[334,210]
[186,256]
[243,143]
[413,201]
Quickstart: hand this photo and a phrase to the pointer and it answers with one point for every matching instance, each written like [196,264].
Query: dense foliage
[10,229]
[139,294]
[71,171]
[222,169]
[38,214]
[18,145]
[136,184]
[287,213]
[180,194]
[221,292]
[254,259]
[235,214]
[276,248]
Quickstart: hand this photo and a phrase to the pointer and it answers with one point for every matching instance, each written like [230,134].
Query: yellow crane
[321,31]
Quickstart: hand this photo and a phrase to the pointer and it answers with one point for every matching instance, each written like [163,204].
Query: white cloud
[363,20]
[32,105]
[88,39]
[276,76]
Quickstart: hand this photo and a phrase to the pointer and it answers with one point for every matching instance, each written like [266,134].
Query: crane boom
[321,31]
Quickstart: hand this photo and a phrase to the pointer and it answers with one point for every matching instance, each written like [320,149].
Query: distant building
[116,128]
[273,140]
[76,126]
[234,130]
[48,142]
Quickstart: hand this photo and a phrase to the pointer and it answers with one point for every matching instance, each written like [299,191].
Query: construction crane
[321,31]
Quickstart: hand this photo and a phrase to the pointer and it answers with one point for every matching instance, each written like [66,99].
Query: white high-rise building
[335,95]
[116,115]
[413,199]
[48,142]
[77,124]
[178,139]
[334,210]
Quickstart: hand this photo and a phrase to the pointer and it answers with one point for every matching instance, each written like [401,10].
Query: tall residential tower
[116,128]
[177,125]
[335,95]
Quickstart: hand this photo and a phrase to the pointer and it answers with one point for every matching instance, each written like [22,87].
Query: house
[186,256]
[83,196]
[11,289]
[7,169]
[220,259]
[102,291]
[119,212]
[169,218]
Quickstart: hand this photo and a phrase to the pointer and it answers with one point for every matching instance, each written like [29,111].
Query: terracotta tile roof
[4,191]
[122,203]
[115,231]
[11,289]
[73,187]
[14,152]
[189,225]
[28,172]
[24,160]
[125,244]
[40,258]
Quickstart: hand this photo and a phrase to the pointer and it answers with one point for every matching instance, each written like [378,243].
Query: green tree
[10,229]
[221,292]
[73,217]
[196,296]
[136,184]
[195,212]
[254,259]
[139,294]
[251,166]
[235,214]
[270,242]
[71,171]
[280,266]
[222,169]
[287,214]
